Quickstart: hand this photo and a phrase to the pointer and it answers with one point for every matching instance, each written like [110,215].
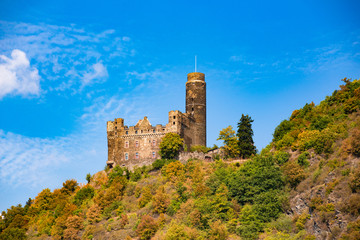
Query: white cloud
[25,160]
[67,57]
[98,72]
[17,77]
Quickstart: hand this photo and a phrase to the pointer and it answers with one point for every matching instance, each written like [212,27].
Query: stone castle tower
[139,145]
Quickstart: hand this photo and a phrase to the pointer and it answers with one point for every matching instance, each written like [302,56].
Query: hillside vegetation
[303,185]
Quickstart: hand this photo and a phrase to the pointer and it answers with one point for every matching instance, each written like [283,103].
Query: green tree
[170,146]
[88,177]
[244,134]
[231,146]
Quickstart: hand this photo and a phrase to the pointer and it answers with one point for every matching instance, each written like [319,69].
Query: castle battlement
[139,145]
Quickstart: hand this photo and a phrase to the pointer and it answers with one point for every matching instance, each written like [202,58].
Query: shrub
[303,159]
[159,163]
[294,173]
[199,148]
[282,157]
[83,194]
[170,146]
[355,181]
[283,128]
[218,231]
[161,200]
[147,227]
[93,213]
[145,198]
[301,220]
[175,171]
[176,231]
[69,186]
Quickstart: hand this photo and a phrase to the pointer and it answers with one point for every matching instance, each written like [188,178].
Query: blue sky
[67,67]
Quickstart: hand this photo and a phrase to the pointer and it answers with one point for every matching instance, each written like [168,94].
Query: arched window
[126,156]
[137,155]
[154,143]
[153,154]
[137,144]
[126,144]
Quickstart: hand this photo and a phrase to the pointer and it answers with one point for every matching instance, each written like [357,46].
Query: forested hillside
[303,185]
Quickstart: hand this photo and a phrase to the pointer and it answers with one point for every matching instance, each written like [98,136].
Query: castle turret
[196,106]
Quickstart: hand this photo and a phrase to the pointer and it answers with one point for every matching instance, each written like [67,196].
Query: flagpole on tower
[195,63]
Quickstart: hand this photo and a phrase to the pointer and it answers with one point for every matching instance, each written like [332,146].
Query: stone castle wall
[139,145]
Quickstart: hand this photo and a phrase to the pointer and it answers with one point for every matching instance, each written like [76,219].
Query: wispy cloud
[25,160]
[17,77]
[97,73]
[67,57]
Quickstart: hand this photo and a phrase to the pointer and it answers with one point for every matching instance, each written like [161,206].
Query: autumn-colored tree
[218,231]
[146,197]
[175,171]
[69,186]
[44,199]
[294,173]
[161,200]
[93,213]
[147,227]
[230,140]
[170,146]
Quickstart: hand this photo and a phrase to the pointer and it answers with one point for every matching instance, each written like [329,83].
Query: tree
[244,134]
[88,177]
[170,146]
[231,146]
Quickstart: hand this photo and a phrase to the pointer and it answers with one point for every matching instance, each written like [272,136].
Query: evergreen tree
[244,134]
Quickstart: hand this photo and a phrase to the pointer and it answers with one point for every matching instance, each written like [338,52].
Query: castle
[139,145]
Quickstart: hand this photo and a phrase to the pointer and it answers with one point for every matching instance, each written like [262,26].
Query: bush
[83,194]
[170,146]
[283,128]
[161,200]
[145,198]
[218,231]
[176,231]
[175,171]
[147,227]
[355,181]
[282,157]
[294,173]
[13,233]
[199,148]
[253,178]
[303,159]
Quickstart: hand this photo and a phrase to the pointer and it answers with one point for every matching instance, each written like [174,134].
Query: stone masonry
[139,145]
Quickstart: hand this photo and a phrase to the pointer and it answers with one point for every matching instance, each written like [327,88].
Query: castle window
[154,143]
[136,132]
[137,144]
[174,117]
[153,154]
[173,123]
[153,130]
[141,131]
[137,155]
[192,109]
[126,144]
[127,132]
[126,156]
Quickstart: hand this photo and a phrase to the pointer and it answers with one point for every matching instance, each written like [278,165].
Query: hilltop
[304,185]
